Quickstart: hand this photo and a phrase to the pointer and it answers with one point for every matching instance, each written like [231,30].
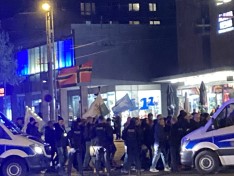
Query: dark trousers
[133,157]
[175,157]
[62,155]
[102,155]
[71,157]
[53,152]
[118,133]
[149,147]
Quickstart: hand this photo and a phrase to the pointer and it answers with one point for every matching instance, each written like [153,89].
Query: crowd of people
[150,144]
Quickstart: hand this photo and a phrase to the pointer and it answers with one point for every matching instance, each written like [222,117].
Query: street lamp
[47,7]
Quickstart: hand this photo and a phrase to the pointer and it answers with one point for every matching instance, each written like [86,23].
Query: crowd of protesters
[150,144]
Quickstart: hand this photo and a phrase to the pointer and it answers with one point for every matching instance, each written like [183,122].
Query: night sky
[8,8]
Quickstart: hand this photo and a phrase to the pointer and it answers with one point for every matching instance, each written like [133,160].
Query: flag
[134,107]
[97,108]
[122,105]
[30,113]
[85,72]
[67,76]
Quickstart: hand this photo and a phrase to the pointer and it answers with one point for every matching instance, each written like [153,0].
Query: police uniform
[133,138]
[76,139]
[100,137]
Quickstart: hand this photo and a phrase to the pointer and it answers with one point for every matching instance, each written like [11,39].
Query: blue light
[68,53]
[64,54]
[22,59]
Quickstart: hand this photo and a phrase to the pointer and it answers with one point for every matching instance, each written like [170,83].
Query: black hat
[60,118]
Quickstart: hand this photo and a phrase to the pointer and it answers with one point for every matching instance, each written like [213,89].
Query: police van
[20,153]
[211,146]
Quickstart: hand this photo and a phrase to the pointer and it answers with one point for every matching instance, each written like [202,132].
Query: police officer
[101,134]
[76,139]
[133,140]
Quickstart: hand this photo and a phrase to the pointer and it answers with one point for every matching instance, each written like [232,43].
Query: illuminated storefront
[219,87]
[147,98]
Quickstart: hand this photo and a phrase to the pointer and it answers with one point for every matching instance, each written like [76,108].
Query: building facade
[204,31]
[129,42]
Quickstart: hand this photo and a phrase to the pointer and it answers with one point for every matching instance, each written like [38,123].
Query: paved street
[227,171]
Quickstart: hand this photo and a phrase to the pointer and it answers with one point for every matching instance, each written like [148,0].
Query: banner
[97,108]
[122,105]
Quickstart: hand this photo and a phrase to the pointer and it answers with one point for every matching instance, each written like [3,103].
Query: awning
[218,75]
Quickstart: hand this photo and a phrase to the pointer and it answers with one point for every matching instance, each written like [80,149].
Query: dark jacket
[160,136]
[29,129]
[50,136]
[35,132]
[174,137]
[88,131]
[149,135]
[60,136]
[132,136]
[101,134]
[76,137]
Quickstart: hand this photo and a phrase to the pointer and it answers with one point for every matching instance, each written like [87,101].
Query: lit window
[134,6]
[154,22]
[152,7]
[87,8]
[220,2]
[134,22]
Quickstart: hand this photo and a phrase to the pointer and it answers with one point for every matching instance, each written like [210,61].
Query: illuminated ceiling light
[226,1]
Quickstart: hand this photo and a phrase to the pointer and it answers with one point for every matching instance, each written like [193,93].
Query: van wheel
[14,167]
[206,162]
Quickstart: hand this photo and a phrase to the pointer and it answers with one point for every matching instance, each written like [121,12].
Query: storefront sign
[225,22]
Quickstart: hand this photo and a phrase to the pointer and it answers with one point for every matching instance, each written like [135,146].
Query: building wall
[191,52]
[126,52]
[201,46]
[221,44]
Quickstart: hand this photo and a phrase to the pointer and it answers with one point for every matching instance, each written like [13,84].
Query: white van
[18,153]
[211,146]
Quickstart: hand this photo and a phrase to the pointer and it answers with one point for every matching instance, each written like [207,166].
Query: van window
[3,134]
[225,117]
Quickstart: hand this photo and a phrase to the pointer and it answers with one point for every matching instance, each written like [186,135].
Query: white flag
[97,108]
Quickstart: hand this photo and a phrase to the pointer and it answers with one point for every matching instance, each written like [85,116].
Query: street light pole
[50,58]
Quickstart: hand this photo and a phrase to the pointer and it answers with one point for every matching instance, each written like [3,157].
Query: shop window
[133,6]
[152,7]
[154,22]
[134,22]
[87,8]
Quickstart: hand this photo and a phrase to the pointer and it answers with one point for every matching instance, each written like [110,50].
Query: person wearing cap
[61,142]
[160,139]
[77,142]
